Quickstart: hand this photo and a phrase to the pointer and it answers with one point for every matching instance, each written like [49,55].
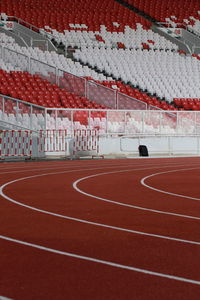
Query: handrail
[31,26]
[183,26]
[58,69]
[47,35]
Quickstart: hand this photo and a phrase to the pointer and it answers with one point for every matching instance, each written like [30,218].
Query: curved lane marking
[163,191]
[112,264]
[59,167]
[53,166]
[83,220]
[103,262]
[75,186]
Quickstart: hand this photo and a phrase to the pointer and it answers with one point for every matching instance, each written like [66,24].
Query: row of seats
[188,103]
[179,13]
[57,59]
[6,40]
[167,74]
[129,38]
[178,10]
[34,89]
[75,68]
[61,15]
[104,24]
[195,26]
[137,94]
[20,61]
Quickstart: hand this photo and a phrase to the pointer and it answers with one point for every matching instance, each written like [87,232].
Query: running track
[102,229]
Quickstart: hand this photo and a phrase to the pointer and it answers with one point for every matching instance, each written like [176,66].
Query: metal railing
[178,26]
[30,26]
[32,42]
[107,121]
[72,83]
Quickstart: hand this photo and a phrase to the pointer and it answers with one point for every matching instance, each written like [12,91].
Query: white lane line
[163,191]
[52,166]
[75,186]
[85,221]
[72,166]
[100,261]
[99,198]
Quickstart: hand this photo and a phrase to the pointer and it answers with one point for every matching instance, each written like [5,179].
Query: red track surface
[58,241]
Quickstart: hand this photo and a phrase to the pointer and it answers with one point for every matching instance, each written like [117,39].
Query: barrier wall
[157,145]
[33,117]
[86,142]
[15,143]
[44,144]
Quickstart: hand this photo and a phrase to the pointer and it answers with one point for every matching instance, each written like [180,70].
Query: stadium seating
[163,73]
[176,12]
[131,38]
[115,44]
[82,15]
[188,103]
[138,94]
[76,68]
[34,89]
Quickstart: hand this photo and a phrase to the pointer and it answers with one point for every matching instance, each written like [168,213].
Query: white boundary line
[99,198]
[53,167]
[82,220]
[163,191]
[99,261]
[96,224]
[106,165]
[75,186]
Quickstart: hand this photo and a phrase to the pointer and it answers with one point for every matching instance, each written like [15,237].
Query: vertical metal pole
[143,112]
[160,121]
[29,64]
[169,145]
[107,121]
[17,111]
[125,123]
[31,117]
[45,119]
[72,123]
[3,107]
[57,76]
[56,117]
[89,117]
[177,122]
[86,88]
[3,53]
[116,99]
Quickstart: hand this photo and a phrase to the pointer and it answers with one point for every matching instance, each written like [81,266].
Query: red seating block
[33,89]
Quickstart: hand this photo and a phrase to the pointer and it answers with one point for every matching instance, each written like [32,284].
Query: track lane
[87,233]
[78,279]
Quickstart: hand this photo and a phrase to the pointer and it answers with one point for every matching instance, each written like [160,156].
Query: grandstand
[102,66]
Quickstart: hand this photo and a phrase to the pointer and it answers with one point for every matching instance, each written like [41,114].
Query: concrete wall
[165,145]
[115,146]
